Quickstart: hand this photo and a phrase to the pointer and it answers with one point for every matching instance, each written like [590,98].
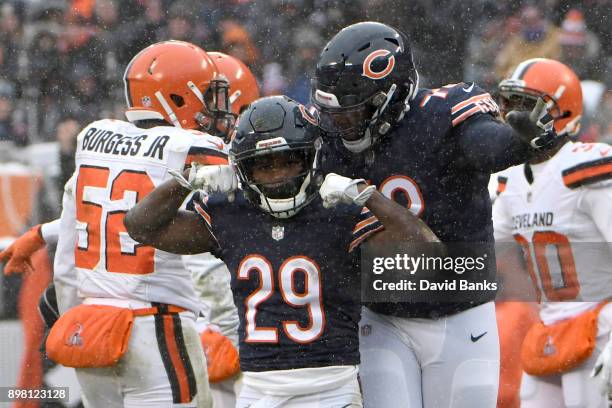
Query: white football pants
[163,367]
[574,389]
[450,362]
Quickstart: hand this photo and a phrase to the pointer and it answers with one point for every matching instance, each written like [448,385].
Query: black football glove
[535,127]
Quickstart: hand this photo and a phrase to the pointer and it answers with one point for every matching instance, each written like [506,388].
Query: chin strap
[412,93]
[358,146]
[284,207]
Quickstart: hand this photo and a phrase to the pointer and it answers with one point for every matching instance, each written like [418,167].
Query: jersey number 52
[101,205]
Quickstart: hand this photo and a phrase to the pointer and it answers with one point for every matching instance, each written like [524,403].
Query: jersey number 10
[540,241]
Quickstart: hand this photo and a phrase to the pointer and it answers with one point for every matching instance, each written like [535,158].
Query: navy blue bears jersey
[295,284]
[437,162]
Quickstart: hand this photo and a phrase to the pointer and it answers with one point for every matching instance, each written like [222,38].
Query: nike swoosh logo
[469,89]
[475,339]
[604,152]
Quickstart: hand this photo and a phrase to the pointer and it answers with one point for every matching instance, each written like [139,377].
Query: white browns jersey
[563,221]
[212,282]
[117,164]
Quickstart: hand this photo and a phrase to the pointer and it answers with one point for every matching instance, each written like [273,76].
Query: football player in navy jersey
[292,254]
[433,151]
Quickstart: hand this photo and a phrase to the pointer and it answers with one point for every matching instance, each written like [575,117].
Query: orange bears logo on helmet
[551,80]
[368,70]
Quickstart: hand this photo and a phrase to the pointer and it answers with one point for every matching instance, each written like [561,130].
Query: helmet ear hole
[379,99]
[177,99]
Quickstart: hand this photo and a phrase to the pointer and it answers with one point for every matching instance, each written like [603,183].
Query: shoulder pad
[433,97]
[209,141]
[467,100]
[207,149]
[588,164]
[200,147]
[461,101]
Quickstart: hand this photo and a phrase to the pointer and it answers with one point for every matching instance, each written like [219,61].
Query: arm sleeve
[366,226]
[596,203]
[50,231]
[64,272]
[490,145]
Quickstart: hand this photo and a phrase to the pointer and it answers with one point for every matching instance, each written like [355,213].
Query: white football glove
[337,189]
[209,178]
[602,371]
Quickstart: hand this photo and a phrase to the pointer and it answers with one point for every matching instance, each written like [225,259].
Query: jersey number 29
[311,298]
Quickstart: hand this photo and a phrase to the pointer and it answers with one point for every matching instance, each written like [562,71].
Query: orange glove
[18,255]
[221,356]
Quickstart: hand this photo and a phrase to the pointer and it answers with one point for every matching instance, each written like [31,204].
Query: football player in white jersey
[556,207]
[219,319]
[117,164]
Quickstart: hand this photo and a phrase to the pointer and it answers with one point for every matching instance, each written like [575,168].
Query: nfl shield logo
[278,232]
[366,330]
[146,101]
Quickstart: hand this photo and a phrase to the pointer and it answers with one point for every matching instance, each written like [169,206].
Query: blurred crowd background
[62,61]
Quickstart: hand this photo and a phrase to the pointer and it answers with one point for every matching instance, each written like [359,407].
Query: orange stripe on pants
[177,362]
